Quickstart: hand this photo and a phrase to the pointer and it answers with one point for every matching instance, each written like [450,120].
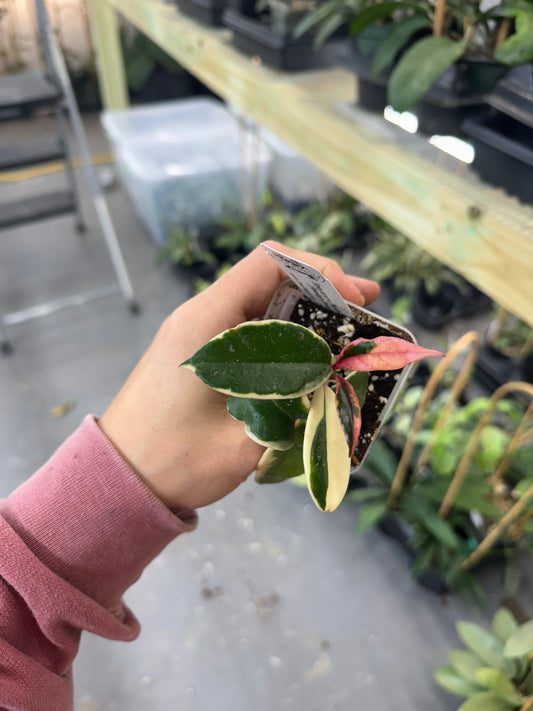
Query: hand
[175,431]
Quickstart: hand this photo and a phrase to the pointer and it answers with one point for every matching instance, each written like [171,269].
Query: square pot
[290,304]
[255,37]
[503,152]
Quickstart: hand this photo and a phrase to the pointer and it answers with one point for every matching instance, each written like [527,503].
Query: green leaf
[263,421]
[499,684]
[465,663]
[381,461]
[369,515]
[521,641]
[263,359]
[503,625]
[295,408]
[359,382]
[419,68]
[372,14]
[395,40]
[484,645]
[364,494]
[276,466]
[486,701]
[325,452]
[518,48]
[449,679]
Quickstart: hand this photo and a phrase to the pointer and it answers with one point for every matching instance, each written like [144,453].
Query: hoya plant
[495,671]
[297,399]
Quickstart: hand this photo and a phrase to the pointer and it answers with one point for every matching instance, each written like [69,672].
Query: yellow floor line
[17,176]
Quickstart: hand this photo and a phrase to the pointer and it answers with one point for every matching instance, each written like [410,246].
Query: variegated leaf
[276,466]
[385,353]
[263,360]
[325,452]
[263,421]
[349,411]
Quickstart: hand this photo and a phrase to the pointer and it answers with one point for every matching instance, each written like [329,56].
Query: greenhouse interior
[305,228]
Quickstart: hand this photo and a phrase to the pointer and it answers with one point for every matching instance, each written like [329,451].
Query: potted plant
[495,671]
[507,352]
[312,389]
[185,252]
[420,285]
[445,53]
[269,36]
[456,487]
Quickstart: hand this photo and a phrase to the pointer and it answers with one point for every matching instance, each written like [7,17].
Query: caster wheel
[134,308]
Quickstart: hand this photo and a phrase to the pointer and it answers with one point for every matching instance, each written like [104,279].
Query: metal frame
[68,109]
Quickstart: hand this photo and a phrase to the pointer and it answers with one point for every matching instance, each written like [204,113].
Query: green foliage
[184,249]
[394,259]
[495,674]
[270,367]
[469,30]
[443,544]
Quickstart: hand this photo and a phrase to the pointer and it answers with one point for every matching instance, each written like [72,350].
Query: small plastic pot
[290,304]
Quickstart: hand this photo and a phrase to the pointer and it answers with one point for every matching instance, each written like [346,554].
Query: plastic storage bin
[191,183]
[293,178]
[167,121]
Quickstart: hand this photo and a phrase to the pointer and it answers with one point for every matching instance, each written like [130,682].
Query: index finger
[253,281]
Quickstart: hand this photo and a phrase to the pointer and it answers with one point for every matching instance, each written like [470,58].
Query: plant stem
[494,535]
[528,705]
[520,436]
[457,389]
[438,17]
[466,460]
[470,339]
[503,31]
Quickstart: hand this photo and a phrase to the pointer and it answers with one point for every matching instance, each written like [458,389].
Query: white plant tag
[311,282]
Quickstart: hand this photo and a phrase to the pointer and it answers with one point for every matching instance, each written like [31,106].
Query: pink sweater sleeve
[73,538]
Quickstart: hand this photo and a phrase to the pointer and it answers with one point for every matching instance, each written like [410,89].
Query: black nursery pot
[457,95]
[290,304]
[208,12]
[503,152]
[254,36]
[513,95]
[372,92]
[434,311]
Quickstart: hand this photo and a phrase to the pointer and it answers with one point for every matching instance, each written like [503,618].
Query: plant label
[312,283]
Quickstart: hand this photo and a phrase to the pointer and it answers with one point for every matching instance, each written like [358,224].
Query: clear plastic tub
[191,184]
[167,121]
[292,177]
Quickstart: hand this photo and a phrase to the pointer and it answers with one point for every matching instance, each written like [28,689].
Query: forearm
[73,538]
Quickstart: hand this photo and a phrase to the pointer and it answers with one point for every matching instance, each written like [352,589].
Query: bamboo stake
[457,389]
[495,534]
[438,18]
[466,460]
[503,31]
[521,435]
[470,339]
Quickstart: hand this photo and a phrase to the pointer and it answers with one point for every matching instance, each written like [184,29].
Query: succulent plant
[495,672]
[297,399]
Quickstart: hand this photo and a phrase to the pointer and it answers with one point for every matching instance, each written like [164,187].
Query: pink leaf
[389,353]
[349,411]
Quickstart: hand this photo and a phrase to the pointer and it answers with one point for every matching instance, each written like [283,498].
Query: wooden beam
[477,230]
[109,62]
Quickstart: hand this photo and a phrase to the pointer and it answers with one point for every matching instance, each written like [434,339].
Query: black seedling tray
[514,95]
[208,12]
[503,152]
[254,37]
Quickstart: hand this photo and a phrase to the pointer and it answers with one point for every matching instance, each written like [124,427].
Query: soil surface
[338,331]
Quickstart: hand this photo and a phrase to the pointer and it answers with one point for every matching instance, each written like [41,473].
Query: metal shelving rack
[21,95]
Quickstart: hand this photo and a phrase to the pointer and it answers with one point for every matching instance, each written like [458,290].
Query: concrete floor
[270,605]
